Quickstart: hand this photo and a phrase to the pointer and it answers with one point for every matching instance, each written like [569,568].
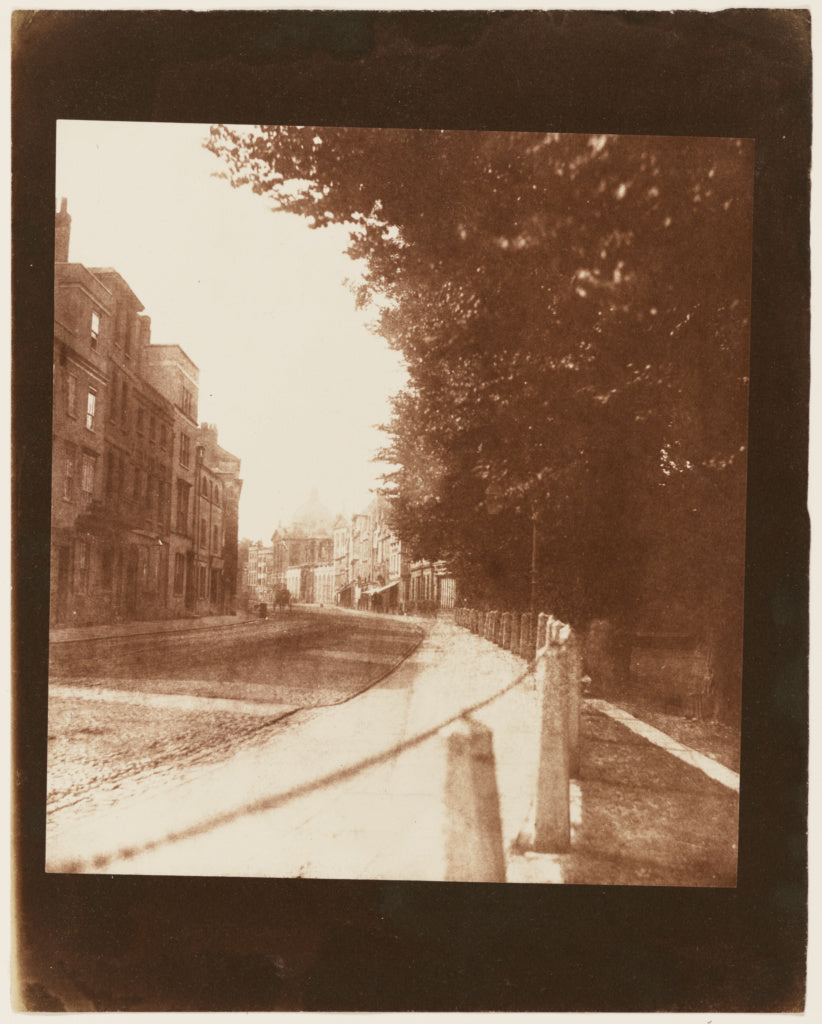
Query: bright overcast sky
[288,370]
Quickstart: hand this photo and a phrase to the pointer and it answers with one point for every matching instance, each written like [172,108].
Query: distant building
[144,502]
[258,574]
[371,568]
[431,583]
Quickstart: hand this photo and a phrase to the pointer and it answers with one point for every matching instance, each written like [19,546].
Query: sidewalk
[61,634]
[357,792]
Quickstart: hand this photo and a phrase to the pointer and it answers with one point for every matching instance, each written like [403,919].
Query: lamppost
[534,518]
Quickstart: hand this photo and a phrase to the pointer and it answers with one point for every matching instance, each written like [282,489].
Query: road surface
[133,711]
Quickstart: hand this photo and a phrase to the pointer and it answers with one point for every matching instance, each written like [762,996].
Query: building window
[185,450]
[80,565]
[107,568]
[214,538]
[95,330]
[203,534]
[188,402]
[153,567]
[140,420]
[216,495]
[182,506]
[71,395]
[163,436]
[161,499]
[130,332]
[204,487]
[87,479]
[179,573]
[91,408]
[68,477]
[111,470]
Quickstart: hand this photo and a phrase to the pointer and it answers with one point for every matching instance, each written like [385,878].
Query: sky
[289,372]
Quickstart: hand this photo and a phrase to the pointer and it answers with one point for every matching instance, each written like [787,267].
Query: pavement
[364,791]
[61,634]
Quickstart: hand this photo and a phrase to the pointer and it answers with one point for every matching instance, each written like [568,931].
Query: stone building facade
[128,462]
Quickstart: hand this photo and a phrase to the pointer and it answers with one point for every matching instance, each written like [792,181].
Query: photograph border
[206,943]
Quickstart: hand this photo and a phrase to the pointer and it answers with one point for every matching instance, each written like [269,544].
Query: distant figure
[282,599]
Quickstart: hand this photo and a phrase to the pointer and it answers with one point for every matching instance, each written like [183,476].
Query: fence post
[515,633]
[473,843]
[552,817]
[542,630]
[525,638]
[573,648]
[505,630]
[494,627]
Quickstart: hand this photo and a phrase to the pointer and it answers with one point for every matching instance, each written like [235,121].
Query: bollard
[489,620]
[505,630]
[494,634]
[515,633]
[542,630]
[525,645]
[473,842]
[474,620]
[550,830]
[573,649]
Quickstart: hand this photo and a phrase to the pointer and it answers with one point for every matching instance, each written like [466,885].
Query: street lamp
[534,517]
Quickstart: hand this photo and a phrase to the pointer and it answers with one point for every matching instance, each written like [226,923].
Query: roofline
[154,347]
[110,271]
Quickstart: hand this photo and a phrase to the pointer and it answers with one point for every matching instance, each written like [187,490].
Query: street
[216,771]
[132,711]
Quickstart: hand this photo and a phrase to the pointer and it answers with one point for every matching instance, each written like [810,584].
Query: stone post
[505,631]
[573,655]
[552,819]
[542,630]
[525,640]
[515,633]
[473,844]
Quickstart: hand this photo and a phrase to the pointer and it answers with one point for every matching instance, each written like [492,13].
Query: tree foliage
[573,312]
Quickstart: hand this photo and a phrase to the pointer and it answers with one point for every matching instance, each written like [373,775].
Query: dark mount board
[136,943]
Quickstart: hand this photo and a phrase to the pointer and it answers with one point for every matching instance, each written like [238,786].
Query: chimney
[208,433]
[145,330]
[62,233]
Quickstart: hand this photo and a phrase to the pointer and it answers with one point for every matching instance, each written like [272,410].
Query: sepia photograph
[398,503]
[410,532]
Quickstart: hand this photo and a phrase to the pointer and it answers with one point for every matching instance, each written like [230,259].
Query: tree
[573,312]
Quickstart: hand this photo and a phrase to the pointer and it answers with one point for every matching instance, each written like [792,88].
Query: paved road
[356,791]
[128,710]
